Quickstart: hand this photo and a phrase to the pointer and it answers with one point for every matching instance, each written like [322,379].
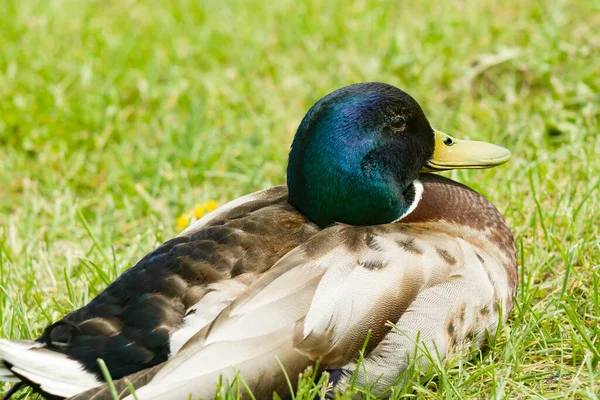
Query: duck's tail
[48,371]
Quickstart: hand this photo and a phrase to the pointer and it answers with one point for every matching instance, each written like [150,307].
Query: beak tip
[505,156]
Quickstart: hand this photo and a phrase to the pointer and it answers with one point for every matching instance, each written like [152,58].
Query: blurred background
[118,116]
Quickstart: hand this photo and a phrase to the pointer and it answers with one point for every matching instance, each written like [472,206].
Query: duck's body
[261,280]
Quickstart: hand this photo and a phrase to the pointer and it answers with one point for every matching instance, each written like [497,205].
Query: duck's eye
[448,141]
[398,123]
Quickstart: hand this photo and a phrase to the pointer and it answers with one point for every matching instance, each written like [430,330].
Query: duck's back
[151,310]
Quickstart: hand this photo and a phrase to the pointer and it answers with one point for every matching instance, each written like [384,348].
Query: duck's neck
[349,191]
[329,184]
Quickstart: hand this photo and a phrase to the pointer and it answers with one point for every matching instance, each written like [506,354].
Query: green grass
[116,116]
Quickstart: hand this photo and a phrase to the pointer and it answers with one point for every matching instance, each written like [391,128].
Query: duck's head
[358,152]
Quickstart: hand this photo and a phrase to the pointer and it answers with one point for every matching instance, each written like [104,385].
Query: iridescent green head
[358,152]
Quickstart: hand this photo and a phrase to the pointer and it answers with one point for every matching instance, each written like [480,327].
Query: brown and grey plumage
[302,273]
[137,322]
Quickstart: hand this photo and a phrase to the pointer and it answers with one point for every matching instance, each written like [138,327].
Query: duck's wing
[154,307]
[318,302]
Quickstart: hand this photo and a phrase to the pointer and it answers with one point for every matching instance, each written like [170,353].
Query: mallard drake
[361,236]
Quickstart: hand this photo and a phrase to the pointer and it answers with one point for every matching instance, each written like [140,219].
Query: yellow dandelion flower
[210,206]
[183,221]
[199,211]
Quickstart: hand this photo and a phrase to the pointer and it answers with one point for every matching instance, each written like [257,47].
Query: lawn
[118,116]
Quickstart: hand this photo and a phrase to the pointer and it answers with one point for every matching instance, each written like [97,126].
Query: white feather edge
[418,195]
[54,372]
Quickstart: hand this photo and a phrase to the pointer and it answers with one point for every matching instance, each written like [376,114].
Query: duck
[364,253]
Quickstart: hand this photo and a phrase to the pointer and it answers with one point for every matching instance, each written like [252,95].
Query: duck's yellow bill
[451,153]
